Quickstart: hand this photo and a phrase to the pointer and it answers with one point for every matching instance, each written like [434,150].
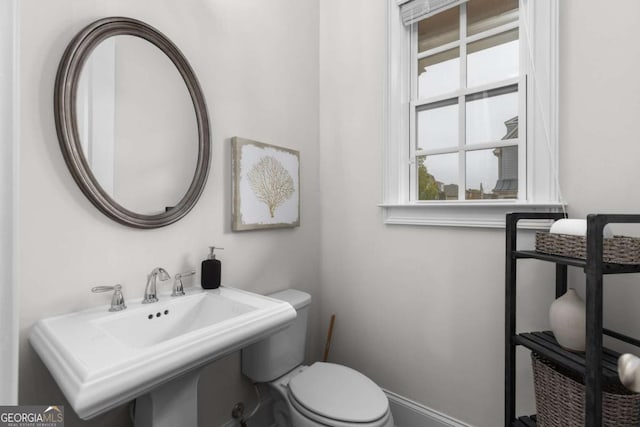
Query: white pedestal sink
[170,405]
[152,352]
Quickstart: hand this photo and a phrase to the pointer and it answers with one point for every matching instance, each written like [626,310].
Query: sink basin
[152,325]
[102,359]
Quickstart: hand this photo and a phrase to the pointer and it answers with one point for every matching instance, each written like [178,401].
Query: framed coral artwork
[266,186]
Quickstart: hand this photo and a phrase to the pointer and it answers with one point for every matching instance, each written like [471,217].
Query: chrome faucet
[117,300]
[178,289]
[150,289]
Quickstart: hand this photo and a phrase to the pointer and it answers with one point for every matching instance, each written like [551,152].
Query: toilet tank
[278,354]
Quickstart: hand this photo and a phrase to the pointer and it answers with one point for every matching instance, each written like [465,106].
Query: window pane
[438,74]
[438,177]
[438,126]
[483,15]
[492,173]
[440,29]
[493,59]
[492,115]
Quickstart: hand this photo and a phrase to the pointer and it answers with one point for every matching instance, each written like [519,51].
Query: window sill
[465,214]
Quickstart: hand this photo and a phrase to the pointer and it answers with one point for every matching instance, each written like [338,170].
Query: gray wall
[257,63]
[420,309]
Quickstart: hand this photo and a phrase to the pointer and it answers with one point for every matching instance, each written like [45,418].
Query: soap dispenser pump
[211,270]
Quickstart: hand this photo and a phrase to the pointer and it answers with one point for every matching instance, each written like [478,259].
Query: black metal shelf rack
[598,365]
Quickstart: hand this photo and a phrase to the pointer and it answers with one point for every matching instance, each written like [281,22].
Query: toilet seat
[303,417]
[337,395]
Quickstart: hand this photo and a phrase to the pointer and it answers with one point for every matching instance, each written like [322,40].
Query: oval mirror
[136,142]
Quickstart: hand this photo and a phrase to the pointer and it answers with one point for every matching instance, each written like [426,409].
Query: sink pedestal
[171,404]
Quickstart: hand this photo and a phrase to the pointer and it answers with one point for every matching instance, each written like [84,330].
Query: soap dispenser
[211,270]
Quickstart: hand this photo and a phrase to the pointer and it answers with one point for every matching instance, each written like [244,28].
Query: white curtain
[415,10]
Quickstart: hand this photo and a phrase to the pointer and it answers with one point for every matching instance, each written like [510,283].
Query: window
[471,114]
[465,103]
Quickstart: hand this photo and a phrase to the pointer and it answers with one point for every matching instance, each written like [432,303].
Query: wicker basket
[616,250]
[560,399]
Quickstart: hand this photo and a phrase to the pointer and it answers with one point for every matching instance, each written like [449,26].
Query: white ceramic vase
[629,371]
[568,321]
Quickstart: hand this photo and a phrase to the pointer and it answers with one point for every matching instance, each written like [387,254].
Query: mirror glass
[136,124]
[132,123]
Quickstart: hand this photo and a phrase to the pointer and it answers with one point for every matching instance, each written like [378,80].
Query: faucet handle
[178,289]
[117,300]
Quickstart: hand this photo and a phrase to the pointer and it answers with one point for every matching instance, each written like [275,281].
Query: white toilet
[323,394]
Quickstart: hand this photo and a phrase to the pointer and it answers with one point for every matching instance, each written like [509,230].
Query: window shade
[415,10]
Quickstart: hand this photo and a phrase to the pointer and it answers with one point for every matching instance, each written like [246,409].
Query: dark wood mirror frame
[66,87]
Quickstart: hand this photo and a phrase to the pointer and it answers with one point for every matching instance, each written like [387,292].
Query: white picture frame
[265,186]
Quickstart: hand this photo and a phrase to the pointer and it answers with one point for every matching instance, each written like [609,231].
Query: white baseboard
[407,413]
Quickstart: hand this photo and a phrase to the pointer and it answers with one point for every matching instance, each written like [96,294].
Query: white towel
[576,227]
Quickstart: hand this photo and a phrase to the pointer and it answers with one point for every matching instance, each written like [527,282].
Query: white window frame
[538,23]
[9,135]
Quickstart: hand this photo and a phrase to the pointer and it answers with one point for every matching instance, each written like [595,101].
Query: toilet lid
[340,393]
